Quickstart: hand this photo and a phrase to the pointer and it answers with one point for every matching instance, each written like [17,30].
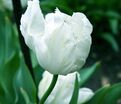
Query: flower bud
[63,90]
[60,42]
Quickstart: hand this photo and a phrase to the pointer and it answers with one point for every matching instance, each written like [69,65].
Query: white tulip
[63,90]
[60,42]
[8,3]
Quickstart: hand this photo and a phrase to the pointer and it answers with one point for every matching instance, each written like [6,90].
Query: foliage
[14,75]
[107,95]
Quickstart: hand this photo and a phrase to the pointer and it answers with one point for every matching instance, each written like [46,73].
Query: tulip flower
[63,90]
[61,42]
[8,3]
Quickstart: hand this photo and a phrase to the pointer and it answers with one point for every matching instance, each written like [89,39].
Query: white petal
[54,20]
[44,83]
[67,44]
[81,29]
[41,51]
[62,91]
[59,16]
[85,95]
[57,50]
[51,45]
[84,26]
[32,22]
[61,42]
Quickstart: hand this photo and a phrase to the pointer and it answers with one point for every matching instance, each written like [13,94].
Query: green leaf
[113,95]
[113,14]
[8,39]
[99,96]
[25,95]
[85,74]
[38,70]
[24,80]
[111,40]
[114,25]
[7,76]
[107,95]
[74,98]
[9,59]
[2,37]
[13,71]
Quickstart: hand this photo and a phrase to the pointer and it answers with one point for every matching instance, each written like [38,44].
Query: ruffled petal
[32,23]
[55,20]
[84,27]
[81,29]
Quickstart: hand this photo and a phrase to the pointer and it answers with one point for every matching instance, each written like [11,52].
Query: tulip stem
[25,50]
[17,9]
[49,90]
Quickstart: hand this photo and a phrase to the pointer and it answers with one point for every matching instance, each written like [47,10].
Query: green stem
[47,93]
[25,50]
[17,9]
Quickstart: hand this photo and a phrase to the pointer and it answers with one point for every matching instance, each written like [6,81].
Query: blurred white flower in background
[8,3]
[63,90]
[60,42]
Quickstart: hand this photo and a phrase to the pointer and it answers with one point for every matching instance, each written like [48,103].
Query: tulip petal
[85,95]
[62,92]
[84,26]
[61,42]
[55,44]
[53,37]
[32,22]
[55,20]
[81,29]
[64,53]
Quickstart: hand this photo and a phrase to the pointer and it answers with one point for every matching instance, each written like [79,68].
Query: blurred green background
[105,17]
